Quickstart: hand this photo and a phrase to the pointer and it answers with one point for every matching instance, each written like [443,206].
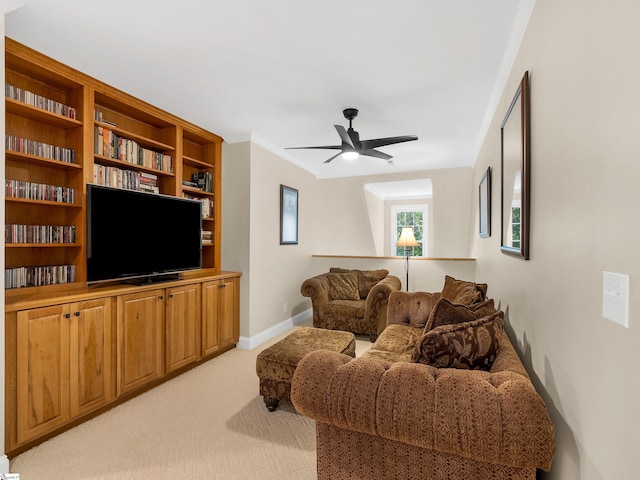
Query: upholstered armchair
[351,300]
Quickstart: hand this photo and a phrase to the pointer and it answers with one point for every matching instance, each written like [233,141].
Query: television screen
[139,235]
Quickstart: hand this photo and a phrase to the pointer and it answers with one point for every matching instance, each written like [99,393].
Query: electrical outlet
[615,298]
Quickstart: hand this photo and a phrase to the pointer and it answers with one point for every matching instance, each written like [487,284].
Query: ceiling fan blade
[346,139]
[355,139]
[375,153]
[330,159]
[326,147]
[381,142]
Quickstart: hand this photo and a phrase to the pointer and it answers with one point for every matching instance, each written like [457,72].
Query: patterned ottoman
[276,364]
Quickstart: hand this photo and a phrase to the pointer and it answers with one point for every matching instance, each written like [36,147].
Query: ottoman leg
[271,403]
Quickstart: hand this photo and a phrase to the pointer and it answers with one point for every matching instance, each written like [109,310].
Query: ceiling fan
[352,147]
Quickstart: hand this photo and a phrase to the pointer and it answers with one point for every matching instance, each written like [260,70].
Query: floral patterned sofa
[351,300]
[440,395]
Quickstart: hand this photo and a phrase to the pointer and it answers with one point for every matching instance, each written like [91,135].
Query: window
[409,216]
[515,225]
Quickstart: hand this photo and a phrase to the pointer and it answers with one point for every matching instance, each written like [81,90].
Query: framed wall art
[484,203]
[515,163]
[288,215]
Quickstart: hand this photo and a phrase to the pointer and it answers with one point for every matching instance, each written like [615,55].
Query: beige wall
[272,273]
[335,219]
[453,192]
[236,207]
[345,210]
[584,65]
[376,210]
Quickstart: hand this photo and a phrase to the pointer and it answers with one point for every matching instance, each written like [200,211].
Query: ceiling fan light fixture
[351,147]
[350,155]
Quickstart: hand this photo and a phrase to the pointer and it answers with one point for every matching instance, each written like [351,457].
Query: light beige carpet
[209,423]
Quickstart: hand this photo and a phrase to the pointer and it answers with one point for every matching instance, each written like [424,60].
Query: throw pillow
[463,292]
[339,270]
[469,345]
[366,278]
[446,313]
[343,286]
[483,309]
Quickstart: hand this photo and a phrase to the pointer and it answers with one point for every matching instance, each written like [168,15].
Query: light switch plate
[615,298]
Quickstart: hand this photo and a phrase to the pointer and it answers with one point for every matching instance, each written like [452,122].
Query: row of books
[127,179]
[148,182]
[38,276]
[97,115]
[40,149]
[39,101]
[203,180]
[16,233]
[38,191]
[207,204]
[108,144]
[207,237]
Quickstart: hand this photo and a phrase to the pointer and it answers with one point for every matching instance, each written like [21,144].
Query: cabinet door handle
[171,295]
[160,297]
[67,315]
[77,314]
[223,285]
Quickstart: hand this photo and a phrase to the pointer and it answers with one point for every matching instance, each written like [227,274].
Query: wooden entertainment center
[74,350]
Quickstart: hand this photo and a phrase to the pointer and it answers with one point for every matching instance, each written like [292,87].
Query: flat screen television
[140,236]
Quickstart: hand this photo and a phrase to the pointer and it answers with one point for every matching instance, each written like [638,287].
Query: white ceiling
[401,189]
[280,72]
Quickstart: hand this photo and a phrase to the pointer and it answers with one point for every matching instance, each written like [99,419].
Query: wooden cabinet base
[119,401]
[95,348]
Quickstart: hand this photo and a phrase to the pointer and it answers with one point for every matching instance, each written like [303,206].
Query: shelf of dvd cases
[22,109]
[39,276]
[39,193]
[44,144]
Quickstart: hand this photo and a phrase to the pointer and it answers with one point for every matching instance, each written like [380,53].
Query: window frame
[393,230]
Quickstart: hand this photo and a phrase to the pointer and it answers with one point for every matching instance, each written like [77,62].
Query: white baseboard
[4,464]
[249,343]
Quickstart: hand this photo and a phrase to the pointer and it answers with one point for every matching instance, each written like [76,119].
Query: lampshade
[406,238]
[350,155]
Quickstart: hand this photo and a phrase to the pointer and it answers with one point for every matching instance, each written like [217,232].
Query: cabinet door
[91,381]
[210,314]
[220,314]
[182,326]
[228,314]
[42,371]
[140,352]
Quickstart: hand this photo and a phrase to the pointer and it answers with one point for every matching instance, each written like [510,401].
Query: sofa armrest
[489,417]
[375,306]
[316,288]
[329,387]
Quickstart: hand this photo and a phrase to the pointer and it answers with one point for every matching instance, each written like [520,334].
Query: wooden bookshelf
[191,148]
[72,350]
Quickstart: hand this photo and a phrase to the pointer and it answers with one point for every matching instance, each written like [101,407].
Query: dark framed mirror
[515,174]
[484,202]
